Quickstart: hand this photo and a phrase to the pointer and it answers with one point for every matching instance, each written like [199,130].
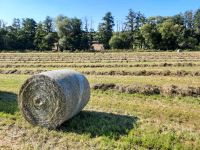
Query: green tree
[63,29]
[85,38]
[16,24]
[126,40]
[50,39]
[151,36]
[48,25]
[28,33]
[44,39]
[177,19]
[130,23]
[11,34]
[105,30]
[116,42]
[15,33]
[50,35]
[170,34]
[3,33]
[197,25]
[10,39]
[76,34]
[189,20]
[85,43]
[134,21]
[156,20]
[119,41]
[39,38]
[69,32]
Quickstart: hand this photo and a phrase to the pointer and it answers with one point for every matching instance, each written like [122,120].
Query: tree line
[181,31]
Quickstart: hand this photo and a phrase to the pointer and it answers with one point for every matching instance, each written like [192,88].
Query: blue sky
[95,9]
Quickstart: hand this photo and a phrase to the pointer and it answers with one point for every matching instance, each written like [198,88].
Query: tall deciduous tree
[69,32]
[151,35]
[170,34]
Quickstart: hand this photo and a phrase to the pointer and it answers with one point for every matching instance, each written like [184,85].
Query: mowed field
[138,101]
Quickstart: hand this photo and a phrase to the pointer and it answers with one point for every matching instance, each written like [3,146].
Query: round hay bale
[50,98]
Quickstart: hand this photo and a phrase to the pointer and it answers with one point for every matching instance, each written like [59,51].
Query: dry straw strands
[167,90]
[48,99]
[112,72]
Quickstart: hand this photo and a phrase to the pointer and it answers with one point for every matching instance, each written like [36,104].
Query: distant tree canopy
[181,31]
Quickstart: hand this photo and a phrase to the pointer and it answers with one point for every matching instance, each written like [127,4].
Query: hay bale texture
[50,98]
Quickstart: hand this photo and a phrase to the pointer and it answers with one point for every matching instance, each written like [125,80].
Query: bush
[116,42]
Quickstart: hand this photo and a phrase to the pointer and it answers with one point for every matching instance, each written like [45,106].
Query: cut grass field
[111,120]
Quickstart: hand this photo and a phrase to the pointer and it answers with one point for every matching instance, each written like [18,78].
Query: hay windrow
[181,73]
[145,73]
[166,90]
[11,65]
[50,98]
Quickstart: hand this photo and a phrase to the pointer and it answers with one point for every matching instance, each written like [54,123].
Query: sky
[94,10]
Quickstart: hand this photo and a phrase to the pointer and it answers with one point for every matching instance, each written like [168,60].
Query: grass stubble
[111,120]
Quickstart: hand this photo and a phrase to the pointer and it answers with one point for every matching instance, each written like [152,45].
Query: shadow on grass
[100,124]
[8,102]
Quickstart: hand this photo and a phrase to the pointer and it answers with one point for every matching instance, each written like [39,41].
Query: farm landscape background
[147,100]
[136,32]
[143,71]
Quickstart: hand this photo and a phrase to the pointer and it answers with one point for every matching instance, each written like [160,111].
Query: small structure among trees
[55,47]
[96,46]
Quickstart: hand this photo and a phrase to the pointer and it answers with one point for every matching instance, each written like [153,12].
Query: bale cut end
[42,102]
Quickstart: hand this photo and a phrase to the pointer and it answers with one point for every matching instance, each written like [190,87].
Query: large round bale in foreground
[50,98]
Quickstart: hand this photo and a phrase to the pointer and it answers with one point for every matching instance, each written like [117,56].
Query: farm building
[96,46]
[55,47]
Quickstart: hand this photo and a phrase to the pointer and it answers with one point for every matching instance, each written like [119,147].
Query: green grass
[111,120]
[8,102]
[155,80]
[115,121]
[13,82]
